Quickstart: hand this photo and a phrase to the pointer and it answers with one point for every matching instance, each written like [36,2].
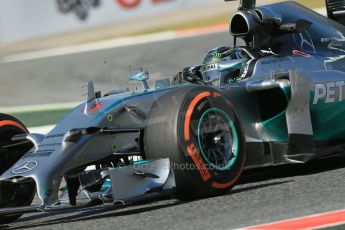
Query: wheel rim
[218,139]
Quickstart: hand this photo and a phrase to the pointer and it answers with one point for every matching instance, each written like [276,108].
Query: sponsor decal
[248,69]
[128,4]
[304,42]
[39,153]
[209,67]
[24,167]
[300,53]
[275,61]
[329,92]
[199,162]
[81,8]
[110,117]
[192,150]
[55,135]
[217,56]
[49,145]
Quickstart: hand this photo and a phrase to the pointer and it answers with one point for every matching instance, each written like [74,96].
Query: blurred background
[49,49]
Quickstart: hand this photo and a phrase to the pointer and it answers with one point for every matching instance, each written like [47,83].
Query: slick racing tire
[198,130]
[12,195]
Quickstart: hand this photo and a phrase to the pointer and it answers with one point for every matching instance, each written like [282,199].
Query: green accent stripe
[235,66]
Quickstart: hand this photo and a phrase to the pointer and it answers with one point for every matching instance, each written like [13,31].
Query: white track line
[95,46]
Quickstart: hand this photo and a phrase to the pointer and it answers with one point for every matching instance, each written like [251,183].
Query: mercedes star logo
[24,167]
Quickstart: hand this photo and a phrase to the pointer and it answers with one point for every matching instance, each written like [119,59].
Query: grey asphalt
[263,195]
[60,79]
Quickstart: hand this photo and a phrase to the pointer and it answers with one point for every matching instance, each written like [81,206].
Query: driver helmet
[214,73]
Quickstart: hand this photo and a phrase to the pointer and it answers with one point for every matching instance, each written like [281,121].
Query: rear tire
[197,128]
[12,195]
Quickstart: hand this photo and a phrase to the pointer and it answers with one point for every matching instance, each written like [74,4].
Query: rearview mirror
[139,75]
[295,27]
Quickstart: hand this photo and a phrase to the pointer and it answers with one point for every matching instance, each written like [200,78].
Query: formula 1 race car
[279,99]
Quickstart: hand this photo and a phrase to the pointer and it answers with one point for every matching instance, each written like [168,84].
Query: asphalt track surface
[263,195]
[60,79]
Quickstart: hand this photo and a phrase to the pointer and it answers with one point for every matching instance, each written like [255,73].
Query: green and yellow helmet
[217,54]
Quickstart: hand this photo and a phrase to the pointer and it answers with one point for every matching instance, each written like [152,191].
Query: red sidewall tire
[179,113]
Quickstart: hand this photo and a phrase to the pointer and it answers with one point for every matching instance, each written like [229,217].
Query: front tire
[197,128]
[12,195]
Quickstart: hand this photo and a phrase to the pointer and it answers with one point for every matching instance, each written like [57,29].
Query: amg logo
[329,92]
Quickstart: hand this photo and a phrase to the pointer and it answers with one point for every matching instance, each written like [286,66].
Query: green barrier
[40,118]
